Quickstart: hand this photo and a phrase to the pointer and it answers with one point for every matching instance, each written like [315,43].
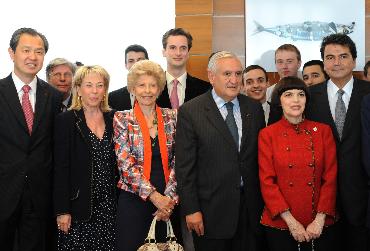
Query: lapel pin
[315,129]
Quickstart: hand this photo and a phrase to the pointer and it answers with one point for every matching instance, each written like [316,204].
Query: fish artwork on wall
[306,31]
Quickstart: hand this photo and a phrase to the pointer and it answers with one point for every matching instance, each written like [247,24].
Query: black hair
[340,39]
[136,48]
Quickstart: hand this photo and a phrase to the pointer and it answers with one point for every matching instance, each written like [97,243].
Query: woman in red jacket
[298,171]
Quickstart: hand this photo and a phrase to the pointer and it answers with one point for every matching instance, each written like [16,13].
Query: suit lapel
[353,107]
[246,122]
[215,118]
[9,93]
[189,88]
[323,107]
[42,95]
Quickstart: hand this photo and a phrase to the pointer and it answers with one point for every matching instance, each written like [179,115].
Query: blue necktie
[231,124]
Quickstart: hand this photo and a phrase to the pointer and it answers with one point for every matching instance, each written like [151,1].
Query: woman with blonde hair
[85,166]
[145,148]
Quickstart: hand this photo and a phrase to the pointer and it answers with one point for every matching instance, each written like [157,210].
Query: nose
[234,78]
[336,60]
[94,88]
[32,55]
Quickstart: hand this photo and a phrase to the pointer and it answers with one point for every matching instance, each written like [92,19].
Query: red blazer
[297,171]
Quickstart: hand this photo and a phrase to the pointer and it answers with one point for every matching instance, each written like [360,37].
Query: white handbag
[150,243]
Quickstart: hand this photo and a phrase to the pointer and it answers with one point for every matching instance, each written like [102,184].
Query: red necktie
[27,107]
[174,97]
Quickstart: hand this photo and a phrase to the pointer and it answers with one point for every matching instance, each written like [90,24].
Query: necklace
[154,122]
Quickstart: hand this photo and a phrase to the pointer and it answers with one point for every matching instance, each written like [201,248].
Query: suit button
[309,184]
[310,165]
[290,184]
[285,134]
[290,165]
[288,148]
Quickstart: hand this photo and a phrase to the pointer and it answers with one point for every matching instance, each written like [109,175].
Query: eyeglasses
[59,75]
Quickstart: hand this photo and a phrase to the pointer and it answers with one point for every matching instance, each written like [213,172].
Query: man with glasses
[59,73]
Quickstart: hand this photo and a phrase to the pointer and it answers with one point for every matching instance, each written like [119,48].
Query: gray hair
[59,61]
[219,55]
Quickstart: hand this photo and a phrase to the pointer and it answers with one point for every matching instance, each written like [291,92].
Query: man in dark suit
[176,47]
[121,99]
[59,73]
[216,161]
[28,106]
[337,102]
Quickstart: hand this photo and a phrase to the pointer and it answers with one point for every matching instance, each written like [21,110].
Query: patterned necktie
[27,108]
[174,97]
[231,124]
[340,113]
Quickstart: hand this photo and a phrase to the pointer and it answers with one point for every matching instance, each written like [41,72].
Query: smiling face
[92,90]
[28,57]
[146,90]
[227,79]
[338,63]
[176,51]
[313,75]
[255,84]
[293,103]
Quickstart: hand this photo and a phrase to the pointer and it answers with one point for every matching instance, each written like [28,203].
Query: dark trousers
[279,240]
[24,230]
[351,237]
[245,239]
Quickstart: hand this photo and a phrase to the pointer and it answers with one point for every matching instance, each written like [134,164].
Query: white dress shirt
[32,94]
[333,94]
[181,86]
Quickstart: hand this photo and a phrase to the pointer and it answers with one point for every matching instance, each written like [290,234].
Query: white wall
[93,32]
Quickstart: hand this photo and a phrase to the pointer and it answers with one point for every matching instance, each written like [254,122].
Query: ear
[164,52]
[211,76]
[299,64]
[11,53]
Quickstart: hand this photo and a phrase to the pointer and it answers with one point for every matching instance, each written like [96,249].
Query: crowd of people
[236,164]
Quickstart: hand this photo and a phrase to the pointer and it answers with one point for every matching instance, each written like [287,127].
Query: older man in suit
[181,86]
[216,161]
[28,106]
[337,102]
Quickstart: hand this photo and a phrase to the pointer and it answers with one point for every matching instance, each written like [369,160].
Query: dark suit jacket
[365,115]
[24,157]
[352,178]
[120,99]
[209,166]
[73,164]
[194,88]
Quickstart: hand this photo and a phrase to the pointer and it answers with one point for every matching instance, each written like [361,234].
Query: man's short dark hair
[316,62]
[366,68]
[136,48]
[340,39]
[255,67]
[177,32]
[17,34]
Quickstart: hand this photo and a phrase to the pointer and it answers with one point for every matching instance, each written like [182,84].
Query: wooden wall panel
[228,34]
[200,28]
[191,7]
[228,7]
[197,66]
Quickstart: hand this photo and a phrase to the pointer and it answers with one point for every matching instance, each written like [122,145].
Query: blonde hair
[82,73]
[149,68]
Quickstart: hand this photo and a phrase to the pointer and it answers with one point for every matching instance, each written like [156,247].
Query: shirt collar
[220,102]
[19,83]
[181,79]
[333,89]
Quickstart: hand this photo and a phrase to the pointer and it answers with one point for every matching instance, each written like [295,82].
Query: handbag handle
[151,233]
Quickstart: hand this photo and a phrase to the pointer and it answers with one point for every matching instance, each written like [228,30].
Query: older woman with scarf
[145,148]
